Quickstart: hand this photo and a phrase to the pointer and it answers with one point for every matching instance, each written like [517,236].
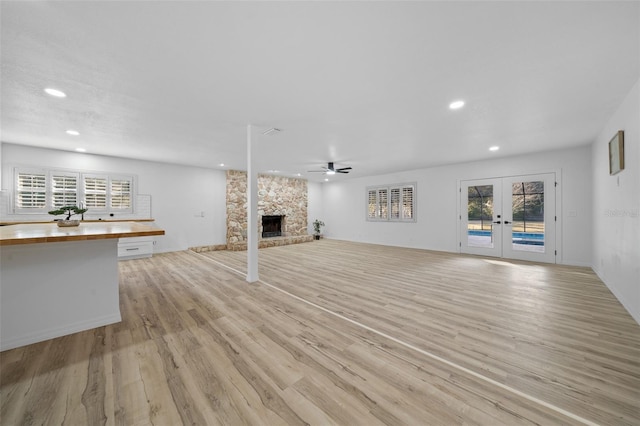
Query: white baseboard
[575,263]
[42,335]
[635,315]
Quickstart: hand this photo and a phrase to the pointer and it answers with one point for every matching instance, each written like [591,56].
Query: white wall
[314,205]
[616,206]
[179,194]
[438,198]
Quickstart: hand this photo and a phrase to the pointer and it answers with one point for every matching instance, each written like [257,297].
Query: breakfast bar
[56,281]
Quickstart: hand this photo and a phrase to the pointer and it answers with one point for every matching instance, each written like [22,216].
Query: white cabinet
[135,247]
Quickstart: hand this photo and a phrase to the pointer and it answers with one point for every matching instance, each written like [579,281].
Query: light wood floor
[374,335]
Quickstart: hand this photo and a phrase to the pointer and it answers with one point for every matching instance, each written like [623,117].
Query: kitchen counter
[56,281]
[50,232]
[32,222]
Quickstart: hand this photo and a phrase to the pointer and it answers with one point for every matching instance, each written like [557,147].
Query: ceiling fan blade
[330,169]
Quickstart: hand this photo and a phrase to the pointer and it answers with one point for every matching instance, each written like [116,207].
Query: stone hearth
[272,242]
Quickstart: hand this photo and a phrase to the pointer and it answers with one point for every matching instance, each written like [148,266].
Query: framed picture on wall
[616,153]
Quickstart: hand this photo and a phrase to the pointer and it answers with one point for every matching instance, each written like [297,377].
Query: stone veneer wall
[277,195]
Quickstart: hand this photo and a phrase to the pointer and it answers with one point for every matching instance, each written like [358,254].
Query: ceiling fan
[330,170]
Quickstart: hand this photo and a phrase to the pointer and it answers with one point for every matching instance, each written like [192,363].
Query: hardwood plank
[199,345]
[507,320]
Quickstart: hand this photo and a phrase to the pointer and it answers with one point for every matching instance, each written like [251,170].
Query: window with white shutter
[31,191]
[64,189]
[407,202]
[95,192]
[393,203]
[121,193]
[41,190]
[372,204]
[383,204]
[104,193]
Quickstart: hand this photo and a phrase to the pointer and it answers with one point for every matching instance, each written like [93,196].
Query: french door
[512,217]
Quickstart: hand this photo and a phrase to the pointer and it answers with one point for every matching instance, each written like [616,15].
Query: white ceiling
[363,84]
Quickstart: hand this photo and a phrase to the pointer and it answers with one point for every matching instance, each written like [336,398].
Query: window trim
[388,190]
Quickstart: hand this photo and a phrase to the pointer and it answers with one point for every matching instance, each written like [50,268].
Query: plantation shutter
[407,202]
[383,204]
[31,191]
[120,193]
[64,189]
[395,203]
[372,204]
[39,190]
[95,192]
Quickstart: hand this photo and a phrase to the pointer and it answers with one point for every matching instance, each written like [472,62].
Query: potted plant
[317,226]
[69,211]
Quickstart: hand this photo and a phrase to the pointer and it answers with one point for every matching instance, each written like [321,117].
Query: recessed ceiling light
[326,179]
[73,132]
[456,105]
[81,150]
[299,174]
[221,164]
[55,92]
[494,148]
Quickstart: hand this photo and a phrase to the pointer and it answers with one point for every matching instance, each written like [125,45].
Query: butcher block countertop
[19,222]
[35,233]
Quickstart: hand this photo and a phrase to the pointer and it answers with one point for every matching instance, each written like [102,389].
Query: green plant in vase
[317,227]
[69,211]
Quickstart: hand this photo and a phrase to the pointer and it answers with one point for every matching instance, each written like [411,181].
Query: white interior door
[512,217]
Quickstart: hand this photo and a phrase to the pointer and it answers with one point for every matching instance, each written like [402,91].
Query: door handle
[498,222]
[506,222]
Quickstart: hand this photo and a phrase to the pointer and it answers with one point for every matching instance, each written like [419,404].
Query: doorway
[512,217]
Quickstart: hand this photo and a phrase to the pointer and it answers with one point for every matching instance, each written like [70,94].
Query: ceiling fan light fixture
[331,170]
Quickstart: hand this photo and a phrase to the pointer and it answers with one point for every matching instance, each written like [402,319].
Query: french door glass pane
[480,216]
[527,233]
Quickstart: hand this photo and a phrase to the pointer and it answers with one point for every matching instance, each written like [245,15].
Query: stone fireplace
[282,210]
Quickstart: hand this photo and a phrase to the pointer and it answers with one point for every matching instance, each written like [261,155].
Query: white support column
[252,213]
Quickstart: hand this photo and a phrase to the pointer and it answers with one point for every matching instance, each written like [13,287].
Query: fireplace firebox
[272,226]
